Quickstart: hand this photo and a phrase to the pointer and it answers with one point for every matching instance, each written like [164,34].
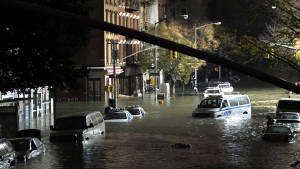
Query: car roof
[289,99]
[20,138]
[277,125]
[288,113]
[78,114]
[213,88]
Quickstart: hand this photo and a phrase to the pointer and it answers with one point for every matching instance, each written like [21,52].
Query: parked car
[118,116]
[278,133]
[225,87]
[7,154]
[288,105]
[27,147]
[136,111]
[29,133]
[290,119]
[212,91]
[77,127]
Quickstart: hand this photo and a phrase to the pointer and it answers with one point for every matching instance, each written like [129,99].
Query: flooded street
[229,142]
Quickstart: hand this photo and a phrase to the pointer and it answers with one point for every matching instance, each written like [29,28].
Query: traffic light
[216,69]
[173,54]
[270,54]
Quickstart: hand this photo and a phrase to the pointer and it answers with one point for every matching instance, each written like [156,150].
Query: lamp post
[155,53]
[197,28]
[114,55]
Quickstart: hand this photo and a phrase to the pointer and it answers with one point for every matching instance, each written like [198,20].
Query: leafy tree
[260,32]
[36,50]
[175,69]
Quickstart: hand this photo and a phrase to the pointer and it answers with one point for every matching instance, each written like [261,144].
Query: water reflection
[229,142]
[33,117]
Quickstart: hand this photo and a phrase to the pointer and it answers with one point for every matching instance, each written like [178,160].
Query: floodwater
[146,142]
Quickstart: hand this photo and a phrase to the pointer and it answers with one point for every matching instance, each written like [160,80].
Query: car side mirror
[51,127]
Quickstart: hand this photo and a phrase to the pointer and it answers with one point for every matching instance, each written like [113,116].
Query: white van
[77,127]
[288,105]
[233,104]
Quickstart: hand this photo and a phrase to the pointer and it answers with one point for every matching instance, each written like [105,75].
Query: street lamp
[197,28]
[155,33]
[216,23]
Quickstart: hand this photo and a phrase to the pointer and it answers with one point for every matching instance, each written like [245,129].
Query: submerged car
[290,119]
[77,127]
[225,87]
[27,147]
[278,133]
[118,116]
[288,105]
[136,111]
[7,154]
[213,91]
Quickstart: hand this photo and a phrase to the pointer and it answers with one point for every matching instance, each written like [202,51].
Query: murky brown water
[146,142]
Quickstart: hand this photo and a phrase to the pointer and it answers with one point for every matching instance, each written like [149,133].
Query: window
[106,15]
[116,17]
[126,22]
[123,18]
[243,100]
[94,89]
[107,48]
[115,116]
[233,102]
[111,16]
[133,23]
[183,11]
[120,20]
[210,103]
[225,103]
[70,123]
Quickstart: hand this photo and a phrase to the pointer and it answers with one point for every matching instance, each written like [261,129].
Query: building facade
[95,61]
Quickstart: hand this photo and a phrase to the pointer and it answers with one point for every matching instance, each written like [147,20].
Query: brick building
[95,60]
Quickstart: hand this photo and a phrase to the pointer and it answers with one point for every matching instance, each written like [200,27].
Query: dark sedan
[278,133]
[27,147]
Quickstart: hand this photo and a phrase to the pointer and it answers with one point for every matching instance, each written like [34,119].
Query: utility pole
[115,53]
[155,33]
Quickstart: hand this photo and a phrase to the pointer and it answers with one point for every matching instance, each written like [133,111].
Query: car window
[288,116]
[20,145]
[100,118]
[71,123]
[275,129]
[233,102]
[37,142]
[33,146]
[288,105]
[134,111]
[212,91]
[3,150]
[225,103]
[110,116]
[9,146]
[210,103]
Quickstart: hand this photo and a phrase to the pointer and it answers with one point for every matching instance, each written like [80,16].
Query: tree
[260,32]
[175,69]
[36,50]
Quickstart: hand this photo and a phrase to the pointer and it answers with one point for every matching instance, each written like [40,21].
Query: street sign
[110,71]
